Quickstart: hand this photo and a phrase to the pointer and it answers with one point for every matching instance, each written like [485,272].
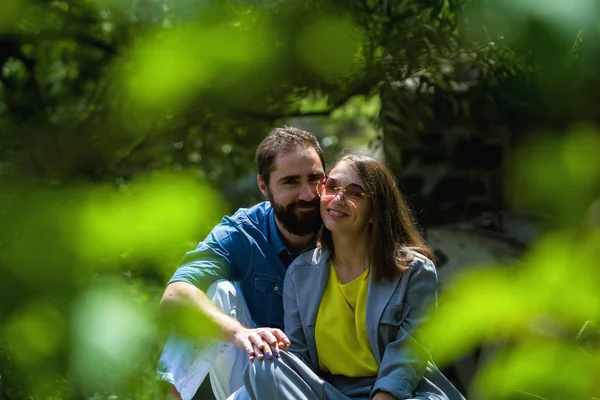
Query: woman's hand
[261,342]
[381,395]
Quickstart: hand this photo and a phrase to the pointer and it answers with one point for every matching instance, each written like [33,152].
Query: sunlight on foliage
[558,258]
[9,12]
[98,96]
[512,16]
[528,315]
[150,220]
[35,333]
[560,14]
[32,239]
[77,246]
[490,296]
[167,69]
[61,234]
[330,45]
[551,173]
[546,370]
[111,334]
[359,107]
[314,103]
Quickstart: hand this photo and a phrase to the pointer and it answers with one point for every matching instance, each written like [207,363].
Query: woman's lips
[336,214]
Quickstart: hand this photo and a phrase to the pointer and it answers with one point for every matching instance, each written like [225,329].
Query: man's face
[292,191]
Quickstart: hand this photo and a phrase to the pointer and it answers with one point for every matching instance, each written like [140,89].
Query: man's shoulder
[256,215]
[244,222]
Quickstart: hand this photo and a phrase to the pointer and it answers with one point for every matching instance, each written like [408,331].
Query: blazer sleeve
[405,359]
[292,320]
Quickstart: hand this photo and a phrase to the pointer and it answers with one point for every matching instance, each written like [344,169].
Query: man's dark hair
[283,140]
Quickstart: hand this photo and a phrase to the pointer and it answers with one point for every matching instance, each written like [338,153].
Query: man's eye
[290,183]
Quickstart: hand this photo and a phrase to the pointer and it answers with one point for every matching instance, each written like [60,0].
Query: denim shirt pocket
[268,300]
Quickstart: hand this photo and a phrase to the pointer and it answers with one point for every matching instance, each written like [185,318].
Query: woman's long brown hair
[394,231]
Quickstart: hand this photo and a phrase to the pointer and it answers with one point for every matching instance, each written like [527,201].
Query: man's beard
[298,223]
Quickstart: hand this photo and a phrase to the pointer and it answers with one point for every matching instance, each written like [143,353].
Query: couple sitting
[353,298]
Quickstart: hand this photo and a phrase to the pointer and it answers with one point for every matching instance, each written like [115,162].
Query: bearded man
[234,278]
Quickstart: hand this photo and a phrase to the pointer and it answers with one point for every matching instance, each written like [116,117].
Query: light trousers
[186,362]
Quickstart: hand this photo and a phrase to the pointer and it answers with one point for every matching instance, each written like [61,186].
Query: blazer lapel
[314,281]
[378,297]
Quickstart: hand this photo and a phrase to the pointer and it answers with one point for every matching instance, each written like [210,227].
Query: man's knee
[221,288]
[224,295]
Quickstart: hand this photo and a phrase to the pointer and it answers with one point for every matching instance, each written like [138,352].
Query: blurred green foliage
[83,269]
[128,128]
[531,313]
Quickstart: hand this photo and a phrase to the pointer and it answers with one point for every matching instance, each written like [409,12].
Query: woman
[352,305]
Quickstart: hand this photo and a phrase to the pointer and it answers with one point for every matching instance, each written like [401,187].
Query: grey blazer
[395,308]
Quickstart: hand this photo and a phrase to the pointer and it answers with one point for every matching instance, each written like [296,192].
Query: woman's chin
[335,225]
[330,224]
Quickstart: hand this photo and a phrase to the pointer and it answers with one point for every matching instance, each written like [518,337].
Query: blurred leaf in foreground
[167,69]
[153,219]
[35,333]
[330,46]
[539,370]
[557,177]
[111,333]
[531,312]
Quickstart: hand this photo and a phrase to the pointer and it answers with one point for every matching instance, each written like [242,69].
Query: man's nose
[308,192]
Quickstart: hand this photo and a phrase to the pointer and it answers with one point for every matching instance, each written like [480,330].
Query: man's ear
[262,185]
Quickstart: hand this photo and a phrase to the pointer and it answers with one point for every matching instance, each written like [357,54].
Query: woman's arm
[405,359]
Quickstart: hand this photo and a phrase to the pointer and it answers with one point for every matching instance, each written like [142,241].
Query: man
[235,277]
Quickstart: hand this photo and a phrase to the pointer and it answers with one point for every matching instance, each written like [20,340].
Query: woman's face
[345,205]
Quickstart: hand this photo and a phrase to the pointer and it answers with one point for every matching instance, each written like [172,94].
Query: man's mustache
[302,203]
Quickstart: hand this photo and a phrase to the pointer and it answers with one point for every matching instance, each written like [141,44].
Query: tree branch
[272,117]
[80,39]
[358,89]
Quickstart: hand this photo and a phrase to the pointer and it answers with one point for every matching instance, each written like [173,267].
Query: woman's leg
[281,378]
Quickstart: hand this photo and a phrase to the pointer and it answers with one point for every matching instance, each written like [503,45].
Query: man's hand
[181,301]
[261,342]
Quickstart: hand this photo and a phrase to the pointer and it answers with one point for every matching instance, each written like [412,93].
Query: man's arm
[185,304]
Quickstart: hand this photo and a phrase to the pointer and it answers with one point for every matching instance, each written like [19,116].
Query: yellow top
[341,328]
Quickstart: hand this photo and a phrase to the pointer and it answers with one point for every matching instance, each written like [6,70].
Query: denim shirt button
[276,288]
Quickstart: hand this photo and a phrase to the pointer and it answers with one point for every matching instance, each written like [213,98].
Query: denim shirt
[246,248]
